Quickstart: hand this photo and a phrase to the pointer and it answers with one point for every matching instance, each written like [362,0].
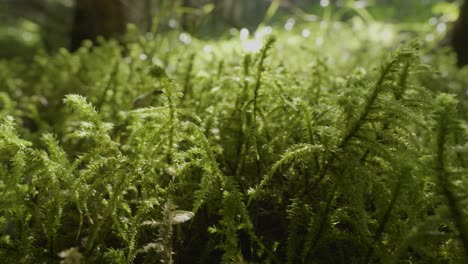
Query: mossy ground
[332,142]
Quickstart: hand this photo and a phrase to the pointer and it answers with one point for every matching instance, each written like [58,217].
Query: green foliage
[149,153]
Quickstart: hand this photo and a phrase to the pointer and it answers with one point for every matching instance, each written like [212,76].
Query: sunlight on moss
[328,138]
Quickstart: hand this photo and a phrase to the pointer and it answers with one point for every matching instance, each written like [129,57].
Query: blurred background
[27,26]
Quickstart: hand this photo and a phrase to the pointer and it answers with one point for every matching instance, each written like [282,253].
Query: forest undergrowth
[323,144]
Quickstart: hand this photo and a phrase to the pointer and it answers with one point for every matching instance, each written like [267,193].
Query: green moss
[304,151]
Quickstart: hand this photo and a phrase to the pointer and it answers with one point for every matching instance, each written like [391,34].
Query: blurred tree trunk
[187,24]
[93,18]
[459,38]
[148,18]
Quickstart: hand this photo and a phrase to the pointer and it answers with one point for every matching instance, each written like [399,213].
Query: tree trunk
[93,18]
[459,39]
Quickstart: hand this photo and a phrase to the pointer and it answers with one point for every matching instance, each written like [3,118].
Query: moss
[287,155]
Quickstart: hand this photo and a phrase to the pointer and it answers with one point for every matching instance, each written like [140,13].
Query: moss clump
[302,152]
